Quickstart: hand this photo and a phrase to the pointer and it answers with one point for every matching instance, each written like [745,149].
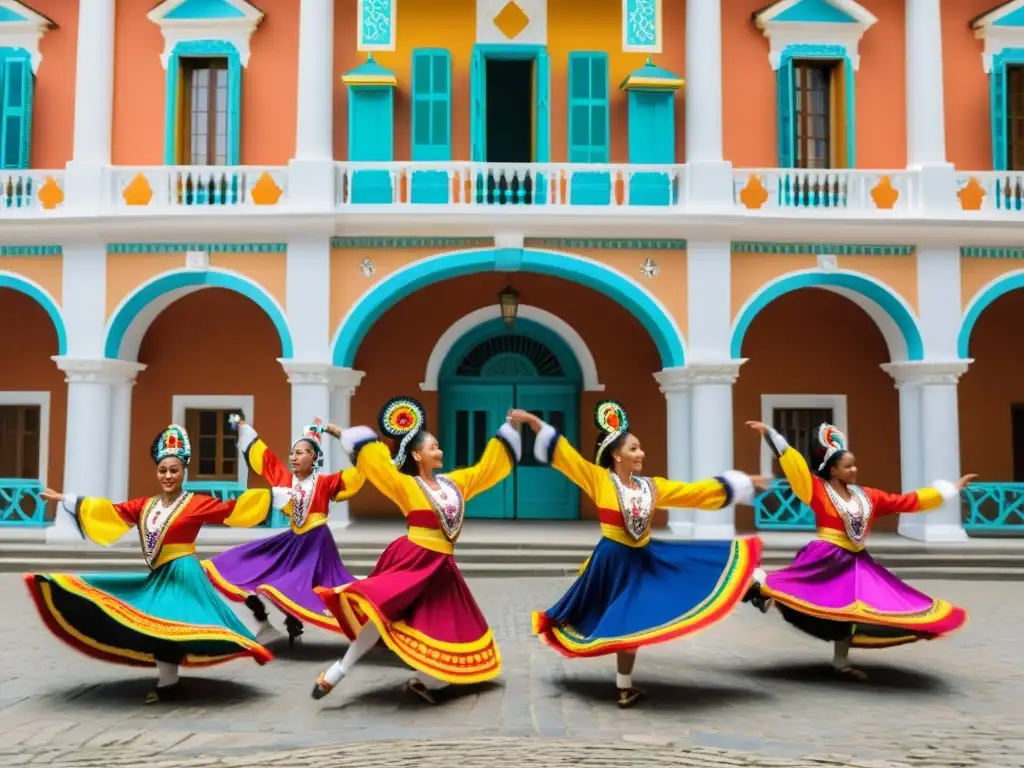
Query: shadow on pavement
[880,677]
[130,694]
[661,694]
[395,695]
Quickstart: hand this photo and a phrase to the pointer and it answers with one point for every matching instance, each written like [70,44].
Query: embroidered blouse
[311,498]
[846,523]
[165,532]
[434,516]
[626,512]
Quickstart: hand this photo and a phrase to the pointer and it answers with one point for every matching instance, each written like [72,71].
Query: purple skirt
[832,594]
[284,568]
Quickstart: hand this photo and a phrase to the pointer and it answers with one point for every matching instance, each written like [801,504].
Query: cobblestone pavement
[751,691]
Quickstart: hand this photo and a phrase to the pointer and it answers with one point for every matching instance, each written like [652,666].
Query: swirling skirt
[628,597]
[284,568]
[425,612]
[171,614]
[832,594]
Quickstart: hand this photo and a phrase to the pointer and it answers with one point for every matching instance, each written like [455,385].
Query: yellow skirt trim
[859,611]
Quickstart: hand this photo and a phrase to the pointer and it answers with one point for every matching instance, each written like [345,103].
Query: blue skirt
[628,597]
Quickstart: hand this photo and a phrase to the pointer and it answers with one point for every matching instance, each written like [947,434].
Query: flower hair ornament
[400,419]
[832,440]
[172,442]
[610,417]
[313,434]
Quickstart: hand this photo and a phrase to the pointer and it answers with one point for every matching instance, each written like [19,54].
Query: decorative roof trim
[781,34]
[984,252]
[31,250]
[235,30]
[996,36]
[206,247]
[607,245]
[24,34]
[412,242]
[818,249]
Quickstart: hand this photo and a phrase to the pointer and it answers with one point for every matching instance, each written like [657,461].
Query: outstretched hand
[51,495]
[333,431]
[762,482]
[965,481]
[758,426]
[517,416]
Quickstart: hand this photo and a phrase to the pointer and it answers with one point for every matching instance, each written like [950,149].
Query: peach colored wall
[46,271]
[749,89]
[976,273]
[53,107]
[574,25]
[752,271]
[624,354]
[991,385]
[32,346]
[127,271]
[268,270]
[226,322]
[268,86]
[784,351]
[966,97]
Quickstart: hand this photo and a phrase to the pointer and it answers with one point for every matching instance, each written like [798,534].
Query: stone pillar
[674,384]
[311,398]
[122,374]
[344,382]
[311,173]
[709,177]
[94,107]
[711,450]
[89,446]
[932,452]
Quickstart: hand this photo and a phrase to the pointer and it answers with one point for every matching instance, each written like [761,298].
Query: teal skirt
[171,614]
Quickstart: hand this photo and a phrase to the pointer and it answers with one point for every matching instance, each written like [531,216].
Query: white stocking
[167,674]
[365,640]
[430,683]
[840,659]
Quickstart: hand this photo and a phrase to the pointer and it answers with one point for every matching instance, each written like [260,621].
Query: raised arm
[248,510]
[493,467]
[730,487]
[921,500]
[99,520]
[260,458]
[373,462]
[793,465]
[550,447]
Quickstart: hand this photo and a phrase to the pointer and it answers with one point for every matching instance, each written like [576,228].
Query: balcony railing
[21,503]
[457,185]
[226,491]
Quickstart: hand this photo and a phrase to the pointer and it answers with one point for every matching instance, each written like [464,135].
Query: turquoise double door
[471,415]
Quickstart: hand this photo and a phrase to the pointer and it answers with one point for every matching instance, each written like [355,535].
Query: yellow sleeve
[374,464]
[793,466]
[350,482]
[102,521]
[247,511]
[712,493]
[494,466]
[569,462]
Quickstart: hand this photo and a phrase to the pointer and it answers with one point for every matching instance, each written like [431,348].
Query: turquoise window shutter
[542,75]
[588,108]
[997,94]
[478,108]
[16,128]
[431,105]
[787,114]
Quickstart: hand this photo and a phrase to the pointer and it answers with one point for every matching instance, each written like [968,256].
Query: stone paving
[750,691]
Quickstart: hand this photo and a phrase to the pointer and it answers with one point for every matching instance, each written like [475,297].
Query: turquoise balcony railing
[777,509]
[228,491]
[20,503]
[994,508]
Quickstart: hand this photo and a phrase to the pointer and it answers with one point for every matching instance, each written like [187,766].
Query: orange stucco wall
[574,25]
[976,273]
[624,354]
[32,346]
[238,356]
[127,271]
[784,349]
[53,129]
[991,385]
[749,89]
[966,97]
[268,86]
[46,272]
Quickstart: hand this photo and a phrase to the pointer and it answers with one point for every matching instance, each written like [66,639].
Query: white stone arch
[555,324]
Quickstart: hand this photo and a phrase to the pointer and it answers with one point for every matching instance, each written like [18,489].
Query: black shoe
[416,686]
[295,628]
[163,693]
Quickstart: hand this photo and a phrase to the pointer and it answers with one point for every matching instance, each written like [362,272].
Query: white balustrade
[991,191]
[30,193]
[823,190]
[197,187]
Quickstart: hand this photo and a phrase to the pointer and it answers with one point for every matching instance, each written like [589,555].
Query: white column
[709,177]
[674,384]
[933,453]
[123,375]
[711,450]
[308,294]
[88,459]
[344,382]
[311,397]
[311,173]
[84,298]
[94,104]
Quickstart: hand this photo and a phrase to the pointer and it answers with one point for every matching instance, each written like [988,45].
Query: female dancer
[834,590]
[170,616]
[415,599]
[635,591]
[286,567]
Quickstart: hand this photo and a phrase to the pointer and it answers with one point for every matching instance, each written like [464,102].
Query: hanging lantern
[508,300]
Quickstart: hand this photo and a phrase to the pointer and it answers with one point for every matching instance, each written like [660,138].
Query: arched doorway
[494,368]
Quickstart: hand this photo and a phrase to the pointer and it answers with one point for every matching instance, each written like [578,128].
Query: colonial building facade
[711,211]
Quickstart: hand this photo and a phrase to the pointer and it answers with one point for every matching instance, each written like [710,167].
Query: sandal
[321,687]
[416,686]
[852,673]
[629,696]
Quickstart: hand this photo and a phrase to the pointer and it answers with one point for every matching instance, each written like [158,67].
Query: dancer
[286,567]
[415,599]
[834,590]
[634,591]
[170,616]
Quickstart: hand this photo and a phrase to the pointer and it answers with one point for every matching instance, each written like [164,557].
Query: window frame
[803,118]
[189,66]
[41,400]
[590,103]
[437,152]
[772,403]
[183,403]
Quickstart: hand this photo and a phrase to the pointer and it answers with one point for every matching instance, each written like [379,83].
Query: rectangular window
[19,441]
[1017,437]
[16,93]
[203,111]
[814,89]
[588,108]
[799,427]
[1015,118]
[431,104]
[214,450]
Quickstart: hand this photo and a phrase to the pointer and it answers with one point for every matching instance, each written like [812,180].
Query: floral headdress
[610,417]
[400,419]
[313,434]
[173,441]
[832,440]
